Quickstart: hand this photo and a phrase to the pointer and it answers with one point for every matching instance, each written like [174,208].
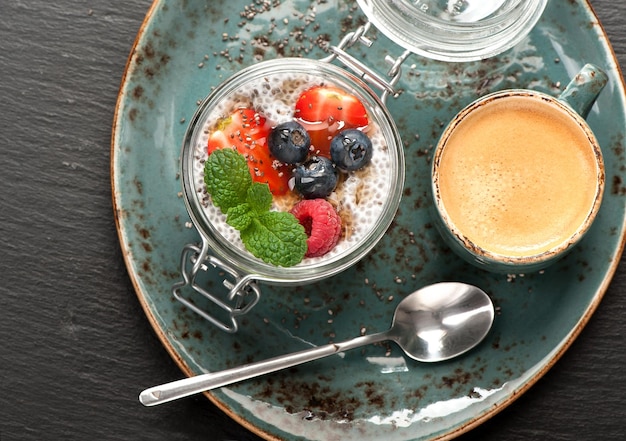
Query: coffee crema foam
[518,176]
[359,197]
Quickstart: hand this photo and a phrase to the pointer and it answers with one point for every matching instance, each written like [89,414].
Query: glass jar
[228,255]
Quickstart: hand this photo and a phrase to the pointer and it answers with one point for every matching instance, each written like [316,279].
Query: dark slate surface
[75,347]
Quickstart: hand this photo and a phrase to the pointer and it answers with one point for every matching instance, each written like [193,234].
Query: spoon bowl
[441,321]
[435,323]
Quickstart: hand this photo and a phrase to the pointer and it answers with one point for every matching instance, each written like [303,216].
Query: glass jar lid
[454,30]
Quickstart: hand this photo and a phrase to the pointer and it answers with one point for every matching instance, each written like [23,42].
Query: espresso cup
[518,176]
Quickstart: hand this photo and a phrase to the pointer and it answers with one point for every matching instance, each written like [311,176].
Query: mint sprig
[274,237]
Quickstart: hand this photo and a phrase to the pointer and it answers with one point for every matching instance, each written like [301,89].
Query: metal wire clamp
[387,85]
[241,294]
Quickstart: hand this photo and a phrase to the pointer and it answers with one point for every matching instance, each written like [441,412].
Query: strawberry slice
[325,110]
[247,132]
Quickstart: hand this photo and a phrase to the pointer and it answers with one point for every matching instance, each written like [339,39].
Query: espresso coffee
[518,175]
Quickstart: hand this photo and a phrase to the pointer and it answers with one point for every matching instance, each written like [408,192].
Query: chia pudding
[360,195]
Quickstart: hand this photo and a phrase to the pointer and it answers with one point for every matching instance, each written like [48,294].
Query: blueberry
[316,178]
[289,142]
[351,150]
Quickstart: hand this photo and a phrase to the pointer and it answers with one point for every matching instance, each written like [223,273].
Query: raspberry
[321,223]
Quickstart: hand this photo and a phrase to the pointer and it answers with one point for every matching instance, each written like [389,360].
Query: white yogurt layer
[359,197]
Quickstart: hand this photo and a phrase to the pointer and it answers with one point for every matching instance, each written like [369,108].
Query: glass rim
[244,261]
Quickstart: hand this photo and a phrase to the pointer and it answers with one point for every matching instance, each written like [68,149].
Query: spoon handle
[192,385]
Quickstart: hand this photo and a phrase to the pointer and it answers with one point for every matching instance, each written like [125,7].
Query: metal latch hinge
[386,84]
[241,293]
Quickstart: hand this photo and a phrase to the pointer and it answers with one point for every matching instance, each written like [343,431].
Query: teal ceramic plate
[187,47]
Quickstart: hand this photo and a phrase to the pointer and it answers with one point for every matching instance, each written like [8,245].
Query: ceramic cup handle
[583,90]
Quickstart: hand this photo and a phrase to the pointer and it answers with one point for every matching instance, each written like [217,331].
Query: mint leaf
[274,237]
[239,217]
[259,197]
[227,178]
[277,238]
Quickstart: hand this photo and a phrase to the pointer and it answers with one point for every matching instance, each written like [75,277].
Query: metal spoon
[435,323]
